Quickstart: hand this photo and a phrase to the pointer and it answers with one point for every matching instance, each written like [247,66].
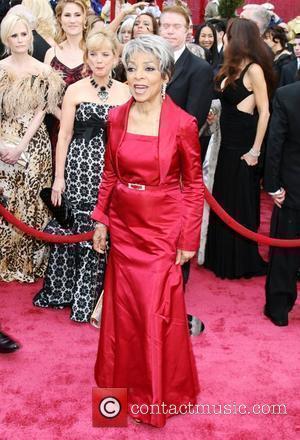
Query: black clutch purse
[63,213]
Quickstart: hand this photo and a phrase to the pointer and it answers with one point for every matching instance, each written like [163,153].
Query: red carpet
[242,359]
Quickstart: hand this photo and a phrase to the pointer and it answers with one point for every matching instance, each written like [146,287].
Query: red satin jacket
[179,161]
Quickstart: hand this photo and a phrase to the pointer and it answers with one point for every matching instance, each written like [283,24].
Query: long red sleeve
[192,186]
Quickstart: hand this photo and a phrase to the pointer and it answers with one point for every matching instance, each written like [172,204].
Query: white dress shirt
[178,52]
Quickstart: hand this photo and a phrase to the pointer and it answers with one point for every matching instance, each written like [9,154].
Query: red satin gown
[144,339]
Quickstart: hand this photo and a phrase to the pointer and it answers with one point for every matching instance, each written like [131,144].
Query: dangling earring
[163,91]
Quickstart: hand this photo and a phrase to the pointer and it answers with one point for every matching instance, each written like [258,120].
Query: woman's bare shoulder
[254,69]
[79,85]
[122,90]
[50,54]
[4,64]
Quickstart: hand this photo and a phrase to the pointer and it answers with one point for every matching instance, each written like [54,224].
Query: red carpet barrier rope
[233,224]
[40,235]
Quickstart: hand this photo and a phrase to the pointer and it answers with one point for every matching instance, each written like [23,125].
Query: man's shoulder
[194,65]
[194,60]
[288,91]
[290,64]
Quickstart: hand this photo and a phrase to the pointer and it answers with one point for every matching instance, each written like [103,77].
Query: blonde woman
[45,20]
[28,89]
[75,272]
[67,56]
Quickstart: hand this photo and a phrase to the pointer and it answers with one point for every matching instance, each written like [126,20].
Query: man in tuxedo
[289,71]
[191,88]
[282,171]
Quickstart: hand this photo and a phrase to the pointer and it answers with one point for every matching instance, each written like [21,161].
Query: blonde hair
[92,19]
[7,25]
[45,21]
[95,41]
[61,36]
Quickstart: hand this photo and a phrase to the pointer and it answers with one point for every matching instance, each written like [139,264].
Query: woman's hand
[99,238]
[130,9]
[58,188]
[10,155]
[212,117]
[183,256]
[250,159]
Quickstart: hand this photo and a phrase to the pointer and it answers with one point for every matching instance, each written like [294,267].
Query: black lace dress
[75,272]
[236,188]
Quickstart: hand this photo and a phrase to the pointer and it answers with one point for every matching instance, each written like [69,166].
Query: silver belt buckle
[136,186]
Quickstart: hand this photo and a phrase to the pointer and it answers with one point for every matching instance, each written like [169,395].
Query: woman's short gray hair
[155,45]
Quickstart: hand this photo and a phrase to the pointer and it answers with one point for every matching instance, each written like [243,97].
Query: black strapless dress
[75,272]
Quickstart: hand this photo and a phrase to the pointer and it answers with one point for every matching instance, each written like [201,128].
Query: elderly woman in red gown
[151,200]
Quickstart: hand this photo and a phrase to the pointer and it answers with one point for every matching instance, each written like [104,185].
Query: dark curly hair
[278,35]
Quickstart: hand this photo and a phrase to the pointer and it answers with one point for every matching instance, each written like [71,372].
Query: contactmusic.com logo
[109,407]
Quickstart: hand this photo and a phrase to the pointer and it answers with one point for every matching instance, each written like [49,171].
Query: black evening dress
[237,189]
[75,272]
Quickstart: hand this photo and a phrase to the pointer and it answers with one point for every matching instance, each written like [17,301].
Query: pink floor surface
[242,359]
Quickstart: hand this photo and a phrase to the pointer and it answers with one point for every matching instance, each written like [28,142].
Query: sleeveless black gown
[237,189]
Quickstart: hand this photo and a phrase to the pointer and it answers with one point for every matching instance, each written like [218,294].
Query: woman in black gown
[243,81]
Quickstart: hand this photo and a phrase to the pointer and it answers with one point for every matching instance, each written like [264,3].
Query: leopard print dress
[22,258]
[75,272]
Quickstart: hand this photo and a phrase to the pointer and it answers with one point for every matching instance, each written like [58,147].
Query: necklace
[102,93]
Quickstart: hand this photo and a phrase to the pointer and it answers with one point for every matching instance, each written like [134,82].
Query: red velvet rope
[40,235]
[254,236]
[51,238]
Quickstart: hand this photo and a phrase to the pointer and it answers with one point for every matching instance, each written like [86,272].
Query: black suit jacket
[289,73]
[191,86]
[40,46]
[282,166]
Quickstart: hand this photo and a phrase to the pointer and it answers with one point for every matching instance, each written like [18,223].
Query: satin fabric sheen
[144,340]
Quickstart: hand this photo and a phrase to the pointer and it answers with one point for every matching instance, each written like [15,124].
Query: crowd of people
[119,119]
